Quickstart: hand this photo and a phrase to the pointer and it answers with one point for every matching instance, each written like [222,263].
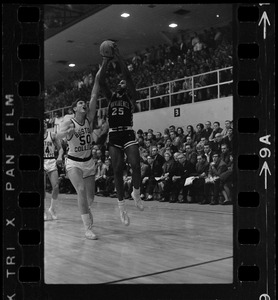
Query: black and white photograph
[139,151]
[156,207]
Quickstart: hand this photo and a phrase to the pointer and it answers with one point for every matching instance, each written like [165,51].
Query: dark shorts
[122,139]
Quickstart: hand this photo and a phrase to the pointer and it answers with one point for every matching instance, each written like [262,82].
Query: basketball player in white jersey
[50,168]
[80,166]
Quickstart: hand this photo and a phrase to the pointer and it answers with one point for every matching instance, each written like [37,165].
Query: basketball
[106,49]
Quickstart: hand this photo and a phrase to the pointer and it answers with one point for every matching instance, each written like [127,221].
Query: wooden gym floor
[166,243]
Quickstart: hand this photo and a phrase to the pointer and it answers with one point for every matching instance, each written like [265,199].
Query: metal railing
[206,86]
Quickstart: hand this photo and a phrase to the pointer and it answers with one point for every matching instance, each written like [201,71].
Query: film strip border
[23,191]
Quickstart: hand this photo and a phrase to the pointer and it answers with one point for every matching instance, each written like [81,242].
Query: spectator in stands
[148,145]
[216,143]
[172,128]
[190,142]
[144,169]
[187,86]
[226,179]
[140,141]
[158,137]
[228,140]
[178,175]
[202,142]
[226,129]
[190,154]
[200,149]
[170,145]
[216,129]
[109,185]
[144,154]
[127,178]
[139,133]
[158,159]
[151,138]
[100,178]
[106,155]
[181,134]
[199,132]
[208,152]
[198,185]
[149,181]
[195,42]
[160,148]
[175,139]
[100,155]
[213,183]
[167,184]
[190,132]
[166,169]
[207,130]
[145,135]
[225,154]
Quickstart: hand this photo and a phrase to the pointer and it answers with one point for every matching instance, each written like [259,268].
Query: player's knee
[81,190]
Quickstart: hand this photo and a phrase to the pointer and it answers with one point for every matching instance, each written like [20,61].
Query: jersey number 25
[117,111]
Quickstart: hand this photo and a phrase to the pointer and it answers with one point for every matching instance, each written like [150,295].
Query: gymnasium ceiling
[78,42]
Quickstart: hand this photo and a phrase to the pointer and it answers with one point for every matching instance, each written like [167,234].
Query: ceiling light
[125,15]
[71,65]
[173,25]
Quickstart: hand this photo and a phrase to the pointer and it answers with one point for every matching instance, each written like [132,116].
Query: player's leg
[133,157]
[54,180]
[117,159]
[76,177]
[45,213]
[90,192]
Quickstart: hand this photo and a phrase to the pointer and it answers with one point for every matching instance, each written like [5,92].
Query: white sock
[122,204]
[86,220]
[53,204]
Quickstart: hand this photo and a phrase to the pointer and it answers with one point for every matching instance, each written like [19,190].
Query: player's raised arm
[105,89]
[127,75]
[99,79]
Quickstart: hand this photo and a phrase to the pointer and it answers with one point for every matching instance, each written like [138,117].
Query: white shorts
[50,165]
[87,167]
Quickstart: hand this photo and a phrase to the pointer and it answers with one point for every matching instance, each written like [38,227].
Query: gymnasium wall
[187,114]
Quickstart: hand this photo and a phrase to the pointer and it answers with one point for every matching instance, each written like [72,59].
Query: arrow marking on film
[266,170]
[265,19]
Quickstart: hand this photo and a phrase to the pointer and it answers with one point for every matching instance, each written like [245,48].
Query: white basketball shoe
[138,201]
[52,214]
[123,214]
[89,234]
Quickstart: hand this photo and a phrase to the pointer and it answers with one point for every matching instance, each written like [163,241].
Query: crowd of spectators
[194,165]
[186,57]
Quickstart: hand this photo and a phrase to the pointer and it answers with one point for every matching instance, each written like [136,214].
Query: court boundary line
[172,208]
[170,270]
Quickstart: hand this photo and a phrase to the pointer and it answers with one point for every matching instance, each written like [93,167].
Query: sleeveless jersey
[49,147]
[80,144]
[120,111]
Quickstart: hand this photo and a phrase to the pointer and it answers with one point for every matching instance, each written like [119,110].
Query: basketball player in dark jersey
[121,136]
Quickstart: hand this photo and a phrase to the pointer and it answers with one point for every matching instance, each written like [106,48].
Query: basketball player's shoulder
[68,120]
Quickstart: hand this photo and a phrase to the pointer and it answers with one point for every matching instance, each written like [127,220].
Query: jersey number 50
[82,139]
[117,111]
